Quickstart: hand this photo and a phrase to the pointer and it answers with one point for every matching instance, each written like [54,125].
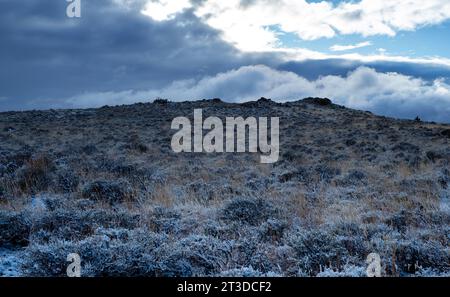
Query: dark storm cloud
[44,54]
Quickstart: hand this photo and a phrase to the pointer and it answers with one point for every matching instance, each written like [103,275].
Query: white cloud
[163,10]
[390,94]
[340,48]
[301,54]
[245,23]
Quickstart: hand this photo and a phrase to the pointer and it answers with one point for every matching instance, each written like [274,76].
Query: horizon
[155,101]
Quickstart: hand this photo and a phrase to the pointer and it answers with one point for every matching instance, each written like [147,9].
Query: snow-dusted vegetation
[104,183]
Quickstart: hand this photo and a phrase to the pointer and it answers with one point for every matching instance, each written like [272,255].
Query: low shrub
[248,211]
[14,228]
[101,255]
[317,249]
[112,192]
[272,230]
[197,255]
[35,176]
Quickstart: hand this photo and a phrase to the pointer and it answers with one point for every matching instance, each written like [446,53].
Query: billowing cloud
[340,48]
[247,23]
[390,94]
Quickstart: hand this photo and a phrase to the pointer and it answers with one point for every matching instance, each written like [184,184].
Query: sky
[391,57]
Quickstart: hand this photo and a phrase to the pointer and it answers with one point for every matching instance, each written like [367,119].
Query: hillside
[106,184]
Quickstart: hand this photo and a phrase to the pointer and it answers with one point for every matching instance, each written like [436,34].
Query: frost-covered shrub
[248,211]
[437,233]
[14,228]
[243,250]
[298,175]
[286,259]
[400,256]
[105,254]
[41,237]
[47,202]
[252,185]
[48,259]
[249,250]
[372,217]
[347,271]
[88,149]
[175,265]
[196,256]
[63,225]
[111,219]
[317,249]
[162,219]
[430,272]
[247,272]
[136,144]
[354,177]
[405,219]
[201,191]
[121,259]
[439,218]
[67,181]
[213,228]
[84,204]
[112,192]
[264,259]
[412,254]
[205,192]
[272,230]
[327,173]
[76,225]
[352,237]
